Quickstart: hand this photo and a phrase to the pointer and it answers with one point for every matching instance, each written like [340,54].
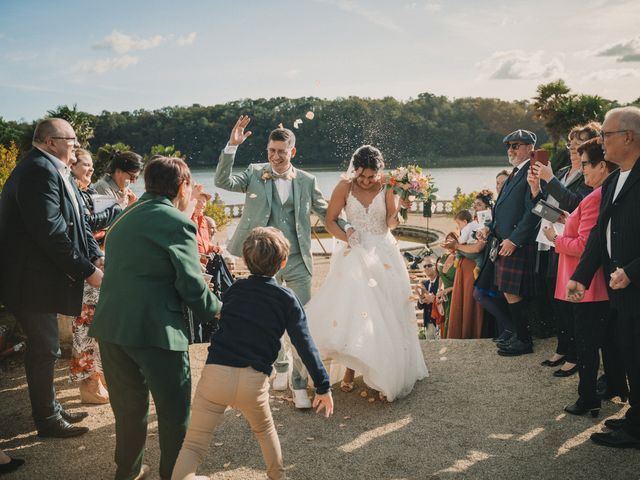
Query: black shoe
[607,395]
[553,363]
[614,423]
[13,464]
[61,429]
[577,409]
[504,336]
[616,439]
[566,373]
[515,349]
[508,341]
[73,417]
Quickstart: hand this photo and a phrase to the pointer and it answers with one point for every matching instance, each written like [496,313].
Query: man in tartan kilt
[515,227]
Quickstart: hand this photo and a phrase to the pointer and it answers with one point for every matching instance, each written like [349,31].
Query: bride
[363,318]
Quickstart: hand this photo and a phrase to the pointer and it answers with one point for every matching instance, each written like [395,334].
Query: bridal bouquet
[411,184]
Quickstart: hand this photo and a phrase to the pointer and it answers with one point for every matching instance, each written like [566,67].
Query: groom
[277,195]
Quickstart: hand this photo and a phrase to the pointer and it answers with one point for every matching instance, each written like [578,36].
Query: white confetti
[310,439]
[297,123]
[218,444]
[443,359]
[226,465]
[253,195]
[442,350]
[372,283]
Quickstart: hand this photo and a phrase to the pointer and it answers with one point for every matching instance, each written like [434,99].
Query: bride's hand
[353,238]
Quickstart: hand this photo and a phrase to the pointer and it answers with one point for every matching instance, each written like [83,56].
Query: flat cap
[524,136]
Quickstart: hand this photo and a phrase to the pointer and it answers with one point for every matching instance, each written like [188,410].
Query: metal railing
[438,207]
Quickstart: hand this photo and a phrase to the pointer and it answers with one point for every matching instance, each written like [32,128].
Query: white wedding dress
[363,317]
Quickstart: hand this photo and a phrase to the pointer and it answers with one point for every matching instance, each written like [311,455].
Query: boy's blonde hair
[264,250]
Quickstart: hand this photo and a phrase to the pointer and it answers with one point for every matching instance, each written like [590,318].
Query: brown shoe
[92,391]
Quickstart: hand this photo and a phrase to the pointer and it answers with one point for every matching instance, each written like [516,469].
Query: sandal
[346,387]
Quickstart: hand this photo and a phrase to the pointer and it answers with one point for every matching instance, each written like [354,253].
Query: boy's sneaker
[301,399]
[280,381]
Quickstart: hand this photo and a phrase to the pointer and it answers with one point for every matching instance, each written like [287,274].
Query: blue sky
[123,55]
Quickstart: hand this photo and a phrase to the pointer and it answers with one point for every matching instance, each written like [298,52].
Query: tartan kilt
[516,274]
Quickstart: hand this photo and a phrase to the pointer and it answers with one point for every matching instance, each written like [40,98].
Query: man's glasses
[68,139]
[604,134]
[280,153]
[132,177]
[514,146]
[429,265]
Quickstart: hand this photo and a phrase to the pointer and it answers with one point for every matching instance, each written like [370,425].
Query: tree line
[423,130]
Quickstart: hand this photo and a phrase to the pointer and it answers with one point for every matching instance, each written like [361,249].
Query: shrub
[215,210]
[8,159]
[462,201]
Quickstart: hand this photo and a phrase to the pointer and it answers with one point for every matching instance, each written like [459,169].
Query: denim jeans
[43,349]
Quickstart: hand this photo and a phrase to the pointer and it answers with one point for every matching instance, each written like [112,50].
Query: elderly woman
[565,190]
[589,316]
[151,276]
[85,366]
[124,170]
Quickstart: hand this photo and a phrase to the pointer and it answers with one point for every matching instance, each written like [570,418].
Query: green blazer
[257,204]
[152,270]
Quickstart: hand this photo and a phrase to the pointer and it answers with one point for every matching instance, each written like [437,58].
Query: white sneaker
[301,399]
[281,381]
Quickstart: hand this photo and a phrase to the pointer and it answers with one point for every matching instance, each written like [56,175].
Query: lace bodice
[372,219]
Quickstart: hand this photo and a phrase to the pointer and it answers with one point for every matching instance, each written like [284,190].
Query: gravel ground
[477,416]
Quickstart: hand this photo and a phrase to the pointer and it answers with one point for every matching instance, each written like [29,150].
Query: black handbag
[220,273]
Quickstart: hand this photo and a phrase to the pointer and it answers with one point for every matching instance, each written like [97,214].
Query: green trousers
[131,373]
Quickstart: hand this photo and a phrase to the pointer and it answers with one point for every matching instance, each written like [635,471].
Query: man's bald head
[51,127]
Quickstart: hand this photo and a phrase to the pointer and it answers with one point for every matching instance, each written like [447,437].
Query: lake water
[446,180]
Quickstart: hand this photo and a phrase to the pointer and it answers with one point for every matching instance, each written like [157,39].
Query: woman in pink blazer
[590,316]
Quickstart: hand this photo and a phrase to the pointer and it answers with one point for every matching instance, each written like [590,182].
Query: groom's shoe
[616,439]
[301,399]
[280,381]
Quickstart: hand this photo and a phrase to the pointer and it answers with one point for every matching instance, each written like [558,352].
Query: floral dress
[85,361]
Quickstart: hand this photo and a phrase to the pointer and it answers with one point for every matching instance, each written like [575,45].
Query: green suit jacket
[152,270]
[307,198]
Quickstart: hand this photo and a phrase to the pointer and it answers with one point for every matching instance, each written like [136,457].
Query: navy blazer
[46,246]
[512,215]
[625,241]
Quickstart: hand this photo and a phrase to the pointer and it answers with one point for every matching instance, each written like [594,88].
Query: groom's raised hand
[238,135]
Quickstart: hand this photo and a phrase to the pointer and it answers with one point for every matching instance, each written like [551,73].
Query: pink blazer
[570,245]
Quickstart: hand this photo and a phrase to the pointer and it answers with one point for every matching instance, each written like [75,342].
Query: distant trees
[425,129]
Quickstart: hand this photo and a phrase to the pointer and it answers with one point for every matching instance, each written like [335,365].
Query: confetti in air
[297,123]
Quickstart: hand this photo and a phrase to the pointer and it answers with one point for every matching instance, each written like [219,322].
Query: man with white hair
[614,245]
[47,251]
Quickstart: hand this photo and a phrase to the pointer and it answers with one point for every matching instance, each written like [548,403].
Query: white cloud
[122,43]
[628,51]
[520,65]
[611,74]
[372,16]
[107,64]
[184,40]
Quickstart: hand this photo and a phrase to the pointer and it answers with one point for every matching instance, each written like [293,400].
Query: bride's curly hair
[368,157]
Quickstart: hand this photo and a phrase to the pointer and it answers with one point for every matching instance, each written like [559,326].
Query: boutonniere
[266,175]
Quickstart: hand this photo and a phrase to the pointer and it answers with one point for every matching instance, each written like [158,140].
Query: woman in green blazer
[152,274]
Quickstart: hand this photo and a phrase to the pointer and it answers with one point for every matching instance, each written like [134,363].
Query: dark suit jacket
[512,216]
[570,196]
[46,248]
[625,241]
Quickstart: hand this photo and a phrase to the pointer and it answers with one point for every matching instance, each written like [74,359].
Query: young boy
[256,312]
[468,228]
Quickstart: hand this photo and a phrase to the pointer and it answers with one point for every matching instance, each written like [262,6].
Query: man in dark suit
[46,253]
[514,225]
[614,244]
